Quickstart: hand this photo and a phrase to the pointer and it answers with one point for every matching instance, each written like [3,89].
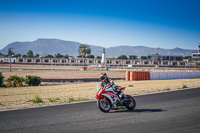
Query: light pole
[10,53]
[157,56]
[51,63]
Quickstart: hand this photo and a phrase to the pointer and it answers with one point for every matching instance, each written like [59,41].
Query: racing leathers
[108,83]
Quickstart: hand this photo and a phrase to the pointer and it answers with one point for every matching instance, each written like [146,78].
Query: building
[195,57]
[58,61]
[7,59]
[147,61]
[166,60]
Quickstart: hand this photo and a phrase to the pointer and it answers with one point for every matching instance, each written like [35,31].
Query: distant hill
[53,46]
[143,51]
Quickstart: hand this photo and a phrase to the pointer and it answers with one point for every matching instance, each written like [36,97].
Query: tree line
[58,55]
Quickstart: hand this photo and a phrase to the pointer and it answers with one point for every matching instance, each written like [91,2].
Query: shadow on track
[140,110]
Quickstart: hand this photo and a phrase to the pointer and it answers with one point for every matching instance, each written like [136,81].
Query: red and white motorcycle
[108,99]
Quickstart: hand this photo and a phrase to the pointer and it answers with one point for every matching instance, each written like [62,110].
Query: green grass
[82,99]
[53,100]
[130,86]
[167,89]
[1,104]
[36,99]
[71,99]
[184,86]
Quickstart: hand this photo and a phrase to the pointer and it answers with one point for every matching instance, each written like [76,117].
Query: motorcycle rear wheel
[104,105]
[130,105]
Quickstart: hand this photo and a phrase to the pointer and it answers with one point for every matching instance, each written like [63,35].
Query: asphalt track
[177,111]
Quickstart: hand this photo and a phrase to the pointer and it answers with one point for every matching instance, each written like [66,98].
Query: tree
[30,53]
[66,56]
[49,56]
[58,55]
[1,54]
[187,57]
[37,55]
[143,57]
[18,55]
[1,80]
[10,52]
[90,56]
[83,51]
[122,57]
[99,57]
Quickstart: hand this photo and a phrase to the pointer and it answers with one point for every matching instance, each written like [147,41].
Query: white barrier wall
[174,75]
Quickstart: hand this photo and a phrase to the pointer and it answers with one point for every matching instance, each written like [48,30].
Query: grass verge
[130,86]
[1,104]
[53,100]
[71,99]
[167,89]
[17,97]
[36,99]
[184,86]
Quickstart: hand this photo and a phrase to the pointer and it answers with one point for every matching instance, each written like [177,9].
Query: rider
[107,83]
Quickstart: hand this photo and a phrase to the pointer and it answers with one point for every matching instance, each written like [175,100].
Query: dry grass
[61,74]
[13,98]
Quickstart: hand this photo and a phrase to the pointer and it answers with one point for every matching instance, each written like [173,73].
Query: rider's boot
[116,103]
[114,106]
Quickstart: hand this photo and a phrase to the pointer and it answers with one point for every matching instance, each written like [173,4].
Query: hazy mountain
[53,46]
[143,51]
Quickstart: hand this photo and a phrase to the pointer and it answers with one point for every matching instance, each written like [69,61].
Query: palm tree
[83,51]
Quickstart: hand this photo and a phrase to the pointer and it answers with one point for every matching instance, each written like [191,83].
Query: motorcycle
[110,99]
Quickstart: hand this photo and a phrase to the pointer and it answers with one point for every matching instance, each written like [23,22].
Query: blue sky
[152,23]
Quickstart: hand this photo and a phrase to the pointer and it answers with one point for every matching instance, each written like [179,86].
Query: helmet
[103,76]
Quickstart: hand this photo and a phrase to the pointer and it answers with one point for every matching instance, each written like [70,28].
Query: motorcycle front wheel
[131,104]
[104,105]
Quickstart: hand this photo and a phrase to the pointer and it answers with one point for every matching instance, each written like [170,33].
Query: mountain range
[54,46]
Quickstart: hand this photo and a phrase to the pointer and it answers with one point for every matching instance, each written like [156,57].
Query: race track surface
[177,111]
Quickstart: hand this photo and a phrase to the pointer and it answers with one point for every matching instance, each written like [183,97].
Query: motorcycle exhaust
[121,107]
